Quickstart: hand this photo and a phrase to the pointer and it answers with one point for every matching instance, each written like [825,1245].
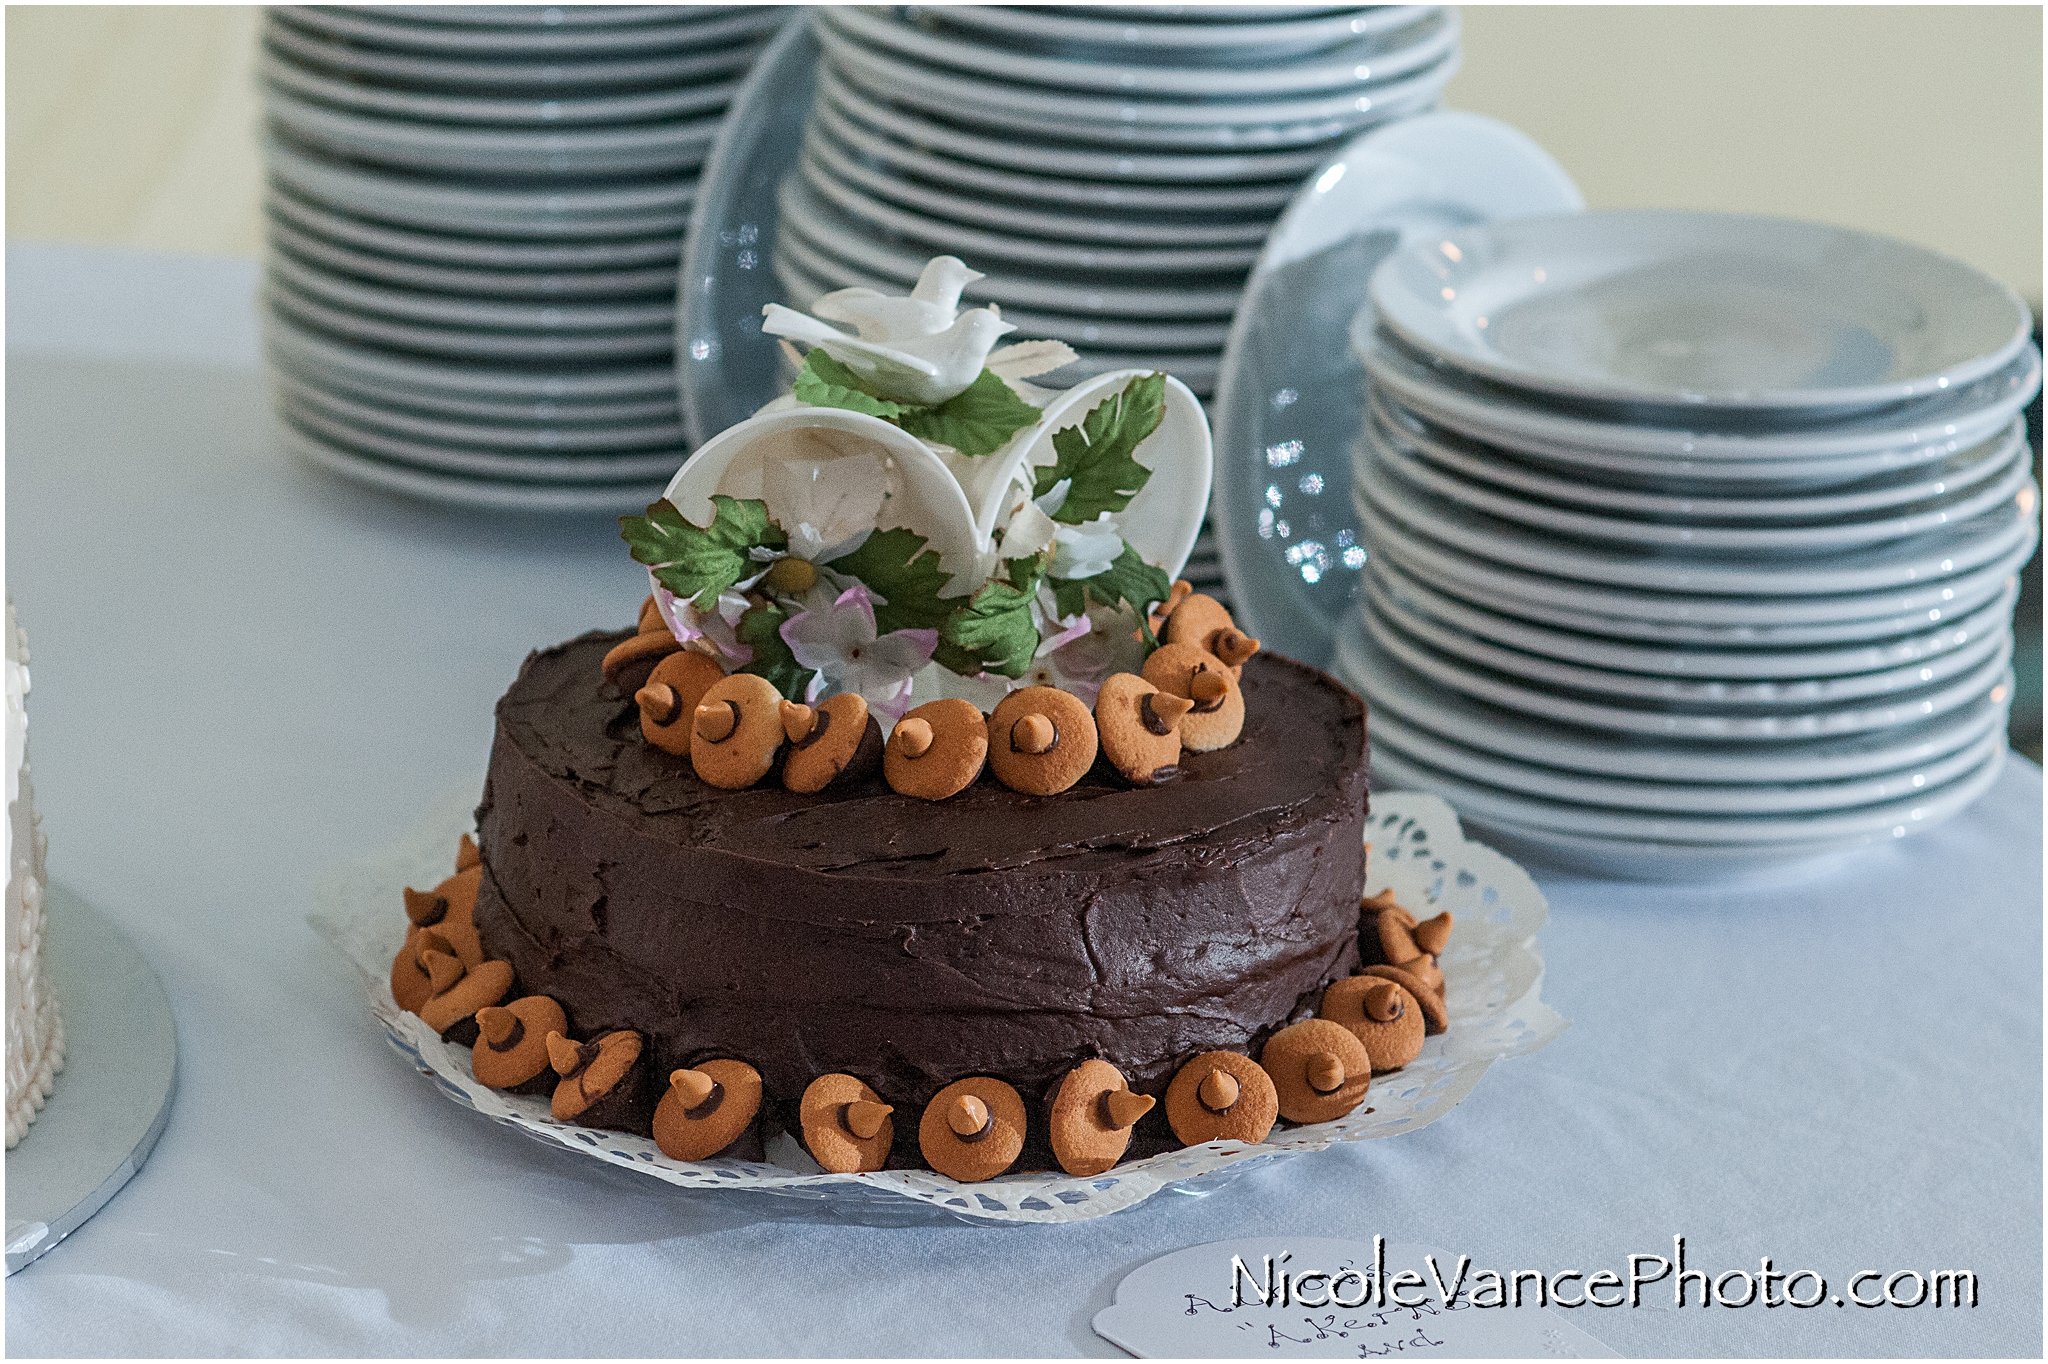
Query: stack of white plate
[1692,538]
[475,215]
[1114,170]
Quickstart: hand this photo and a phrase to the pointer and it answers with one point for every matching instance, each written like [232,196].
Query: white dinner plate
[826,272]
[1026,154]
[490,315]
[1951,507]
[635,209]
[378,370]
[1122,228]
[372,28]
[648,149]
[558,414]
[964,180]
[1381,56]
[1145,38]
[468,343]
[1288,404]
[1931,557]
[983,245]
[1911,487]
[395,272]
[545,16]
[674,101]
[1663,445]
[1546,783]
[1797,726]
[530,468]
[1874,651]
[1701,692]
[1713,309]
[459,490]
[505,74]
[1736,622]
[553,437]
[805,214]
[1390,688]
[469,252]
[1920,809]
[894,75]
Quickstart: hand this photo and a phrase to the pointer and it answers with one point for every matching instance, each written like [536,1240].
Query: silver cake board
[114,1094]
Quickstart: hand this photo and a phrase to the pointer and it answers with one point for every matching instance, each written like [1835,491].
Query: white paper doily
[1492,971]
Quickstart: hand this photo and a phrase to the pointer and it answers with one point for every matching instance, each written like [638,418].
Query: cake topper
[916,522]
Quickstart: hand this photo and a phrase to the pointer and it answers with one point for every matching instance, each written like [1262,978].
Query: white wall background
[136,126]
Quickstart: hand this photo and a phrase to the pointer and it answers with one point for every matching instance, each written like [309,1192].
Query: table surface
[246,670]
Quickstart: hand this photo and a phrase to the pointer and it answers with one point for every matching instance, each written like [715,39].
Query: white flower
[839,644]
[1078,660]
[1077,551]
[921,349]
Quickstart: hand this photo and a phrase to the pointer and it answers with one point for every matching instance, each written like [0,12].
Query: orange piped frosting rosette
[973,1129]
[1139,728]
[1216,714]
[1041,740]
[936,750]
[459,992]
[1380,1013]
[836,740]
[1319,1070]
[1221,1096]
[708,1107]
[669,698]
[602,1082]
[511,1050]
[1092,1116]
[736,734]
[847,1128]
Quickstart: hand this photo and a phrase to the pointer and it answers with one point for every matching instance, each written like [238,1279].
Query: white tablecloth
[246,670]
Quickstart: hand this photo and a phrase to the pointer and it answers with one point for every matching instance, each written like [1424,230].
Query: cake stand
[114,1093]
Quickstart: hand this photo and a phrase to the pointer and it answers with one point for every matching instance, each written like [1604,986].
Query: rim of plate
[375,268]
[477,40]
[1933,556]
[1887,651]
[1471,407]
[469,343]
[579,383]
[603,437]
[1893,488]
[469,492]
[1455,301]
[1856,717]
[528,468]
[2013,471]
[1390,686]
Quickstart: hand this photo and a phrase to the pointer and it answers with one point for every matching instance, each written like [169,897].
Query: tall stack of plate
[1692,538]
[474,218]
[1113,170]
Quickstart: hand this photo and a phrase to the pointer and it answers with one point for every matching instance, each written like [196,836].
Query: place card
[1315,1298]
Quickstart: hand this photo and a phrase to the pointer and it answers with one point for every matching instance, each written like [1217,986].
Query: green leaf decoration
[1024,574]
[992,633]
[1098,454]
[897,566]
[699,562]
[824,382]
[1130,580]
[761,628]
[1069,595]
[977,421]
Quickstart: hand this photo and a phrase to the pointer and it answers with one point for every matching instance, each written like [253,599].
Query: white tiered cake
[35,1032]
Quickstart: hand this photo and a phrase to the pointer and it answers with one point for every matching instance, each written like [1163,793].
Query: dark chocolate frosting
[912,943]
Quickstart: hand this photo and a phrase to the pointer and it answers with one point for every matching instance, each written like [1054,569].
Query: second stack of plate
[1693,539]
[1113,170]
[474,216]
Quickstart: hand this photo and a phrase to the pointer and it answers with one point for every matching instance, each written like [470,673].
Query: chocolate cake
[912,943]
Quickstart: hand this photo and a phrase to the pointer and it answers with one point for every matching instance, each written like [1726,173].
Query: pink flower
[840,645]
[687,623]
